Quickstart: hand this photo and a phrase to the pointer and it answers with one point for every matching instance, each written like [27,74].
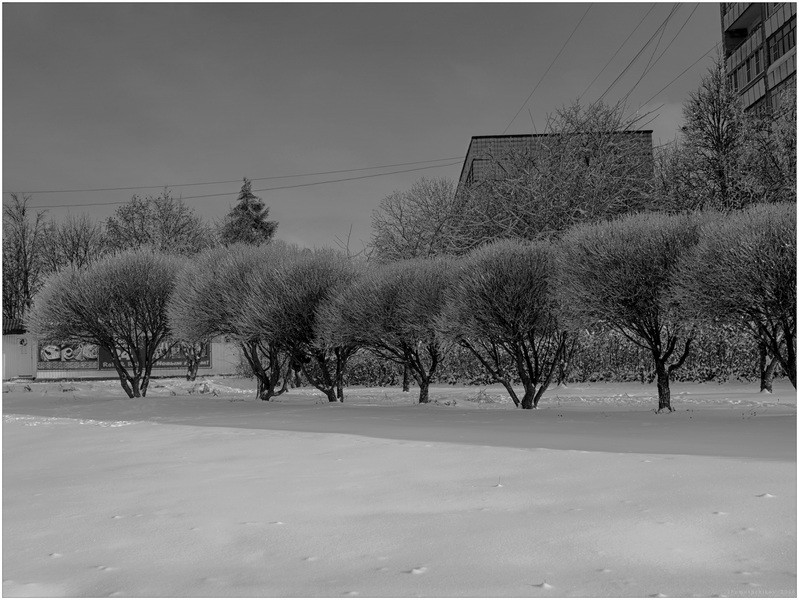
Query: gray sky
[117,95]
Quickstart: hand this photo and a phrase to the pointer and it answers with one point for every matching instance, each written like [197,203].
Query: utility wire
[618,50]
[283,187]
[638,54]
[676,35]
[674,9]
[688,68]
[144,187]
[548,68]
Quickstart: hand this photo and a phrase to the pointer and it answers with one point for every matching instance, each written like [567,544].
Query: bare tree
[24,237]
[392,311]
[620,274]
[743,270]
[284,305]
[119,304]
[591,164]
[417,223]
[247,222]
[712,143]
[209,300]
[75,242]
[502,310]
[768,151]
[160,222]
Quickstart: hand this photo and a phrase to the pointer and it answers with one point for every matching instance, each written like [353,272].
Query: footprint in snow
[418,571]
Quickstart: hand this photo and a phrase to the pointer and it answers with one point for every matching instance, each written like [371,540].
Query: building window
[783,40]
[772,7]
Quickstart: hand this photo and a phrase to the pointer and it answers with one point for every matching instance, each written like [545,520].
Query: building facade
[759,44]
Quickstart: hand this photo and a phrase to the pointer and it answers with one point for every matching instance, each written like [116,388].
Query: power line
[688,68]
[676,35]
[618,50]
[655,49]
[283,187]
[638,54]
[549,67]
[145,187]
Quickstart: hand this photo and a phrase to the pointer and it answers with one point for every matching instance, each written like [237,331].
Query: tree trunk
[265,390]
[424,391]
[406,378]
[767,369]
[191,372]
[528,400]
[664,391]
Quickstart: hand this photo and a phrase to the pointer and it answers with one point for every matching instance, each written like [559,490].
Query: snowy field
[201,490]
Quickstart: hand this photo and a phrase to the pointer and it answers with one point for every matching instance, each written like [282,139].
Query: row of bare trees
[514,305]
[35,246]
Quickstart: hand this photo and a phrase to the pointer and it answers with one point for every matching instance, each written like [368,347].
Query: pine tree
[247,222]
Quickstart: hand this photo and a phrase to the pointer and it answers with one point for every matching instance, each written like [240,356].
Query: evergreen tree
[247,222]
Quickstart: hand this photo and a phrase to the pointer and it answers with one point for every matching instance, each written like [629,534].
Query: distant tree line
[526,280]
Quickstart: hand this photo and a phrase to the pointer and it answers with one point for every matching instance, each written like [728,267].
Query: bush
[118,303]
[501,310]
[743,272]
[620,274]
[392,311]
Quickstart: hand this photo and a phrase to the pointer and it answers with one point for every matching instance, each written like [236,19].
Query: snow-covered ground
[201,490]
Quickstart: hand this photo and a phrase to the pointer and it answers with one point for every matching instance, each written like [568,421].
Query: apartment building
[759,40]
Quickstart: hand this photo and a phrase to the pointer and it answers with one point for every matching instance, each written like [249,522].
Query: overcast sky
[120,95]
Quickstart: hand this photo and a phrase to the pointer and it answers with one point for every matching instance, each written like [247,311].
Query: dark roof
[13,326]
